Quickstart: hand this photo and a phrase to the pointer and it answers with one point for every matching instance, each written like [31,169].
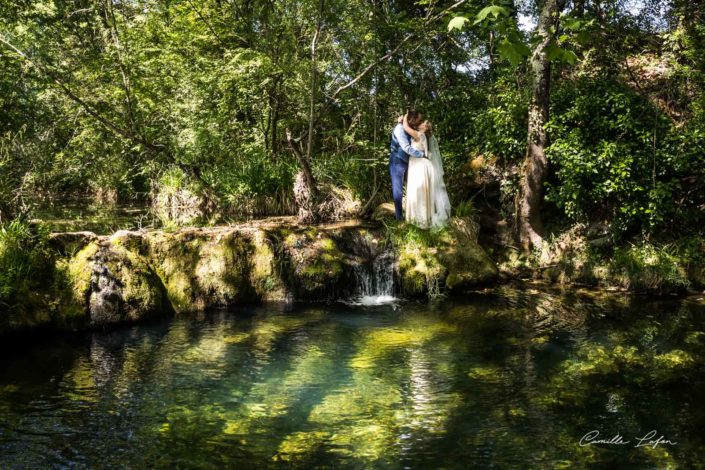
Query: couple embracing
[415,156]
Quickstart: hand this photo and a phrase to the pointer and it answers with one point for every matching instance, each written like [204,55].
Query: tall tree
[305,188]
[529,222]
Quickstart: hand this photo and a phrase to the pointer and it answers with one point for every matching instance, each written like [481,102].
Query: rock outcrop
[129,276]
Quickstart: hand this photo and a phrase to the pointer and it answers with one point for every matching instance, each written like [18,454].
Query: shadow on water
[513,378]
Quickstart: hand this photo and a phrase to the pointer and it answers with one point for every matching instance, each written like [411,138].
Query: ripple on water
[371,301]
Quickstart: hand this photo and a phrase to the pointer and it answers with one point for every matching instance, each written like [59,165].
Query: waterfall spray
[375,280]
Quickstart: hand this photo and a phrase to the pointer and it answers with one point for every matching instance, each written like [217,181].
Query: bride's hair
[428,128]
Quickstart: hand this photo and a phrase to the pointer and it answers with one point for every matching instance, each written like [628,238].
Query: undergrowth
[24,255]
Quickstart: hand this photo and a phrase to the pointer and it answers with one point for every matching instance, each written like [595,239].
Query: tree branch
[314,78]
[76,99]
[155,148]
[207,23]
[370,67]
[388,55]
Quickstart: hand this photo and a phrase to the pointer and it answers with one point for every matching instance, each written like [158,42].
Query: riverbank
[577,257]
[95,281]
[80,280]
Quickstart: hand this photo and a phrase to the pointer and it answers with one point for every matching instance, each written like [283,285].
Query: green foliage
[495,10]
[178,199]
[208,87]
[209,90]
[24,260]
[401,233]
[512,44]
[457,23]
[616,156]
[465,209]
[514,52]
[646,267]
[640,266]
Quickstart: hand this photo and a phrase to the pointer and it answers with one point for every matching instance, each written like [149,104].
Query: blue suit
[400,151]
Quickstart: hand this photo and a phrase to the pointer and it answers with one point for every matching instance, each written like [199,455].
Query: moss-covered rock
[68,243]
[129,276]
[420,270]
[107,281]
[123,285]
[313,262]
[265,270]
[202,268]
[450,259]
[571,257]
[73,285]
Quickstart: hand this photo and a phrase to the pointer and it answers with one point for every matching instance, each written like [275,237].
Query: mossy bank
[95,281]
[577,256]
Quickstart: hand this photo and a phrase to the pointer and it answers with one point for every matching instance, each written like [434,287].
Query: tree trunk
[274,109]
[305,188]
[314,81]
[535,168]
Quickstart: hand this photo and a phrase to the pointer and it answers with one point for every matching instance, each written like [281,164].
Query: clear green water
[512,379]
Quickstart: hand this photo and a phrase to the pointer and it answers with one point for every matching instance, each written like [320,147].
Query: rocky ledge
[132,275]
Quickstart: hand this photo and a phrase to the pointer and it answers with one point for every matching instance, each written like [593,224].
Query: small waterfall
[375,280]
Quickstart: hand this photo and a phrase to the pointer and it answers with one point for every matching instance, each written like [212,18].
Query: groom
[401,150]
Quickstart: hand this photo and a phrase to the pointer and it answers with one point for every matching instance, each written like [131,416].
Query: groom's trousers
[397,171]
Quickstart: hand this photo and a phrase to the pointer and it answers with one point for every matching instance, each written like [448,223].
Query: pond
[510,378]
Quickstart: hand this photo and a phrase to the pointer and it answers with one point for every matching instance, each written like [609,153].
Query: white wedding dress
[427,203]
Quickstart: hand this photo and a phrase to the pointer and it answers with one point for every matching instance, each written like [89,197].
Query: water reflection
[512,378]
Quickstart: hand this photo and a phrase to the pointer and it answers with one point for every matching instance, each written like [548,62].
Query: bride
[427,203]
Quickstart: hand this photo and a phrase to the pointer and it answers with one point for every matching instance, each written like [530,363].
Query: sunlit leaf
[513,52]
[570,57]
[572,24]
[457,23]
[493,10]
[553,52]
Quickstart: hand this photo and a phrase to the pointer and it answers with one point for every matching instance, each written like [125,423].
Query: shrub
[646,267]
[177,199]
[617,157]
[24,256]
